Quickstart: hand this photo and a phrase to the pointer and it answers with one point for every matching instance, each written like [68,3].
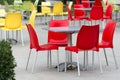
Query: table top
[89,1]
[70,29]
[86,9]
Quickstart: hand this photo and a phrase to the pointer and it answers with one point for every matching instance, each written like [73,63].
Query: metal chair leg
[34,62]
[92,59]
[58,60]
[28,59]
[66,61]
[50,60]
[115,59]
[22,38]
[101,70]
[78,65]
[105,56]
[48,57]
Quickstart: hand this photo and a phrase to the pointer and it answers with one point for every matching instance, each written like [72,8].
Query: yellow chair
[2,15]
[69,6]
[31,19]
[32,7]
[45,9]
[2,22]
[13,22]
[36,3]
[57,9]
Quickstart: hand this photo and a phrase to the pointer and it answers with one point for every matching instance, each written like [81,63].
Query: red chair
[77,1]
[86,3]
[108,13]
[96,13]
[57,38]
[79,14]
[107,39]
[97,3]
[87,39]
[70,15]
[34,44]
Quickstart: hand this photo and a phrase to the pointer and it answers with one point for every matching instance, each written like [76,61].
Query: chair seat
[47,47]
[40,14]
[72,48]
[105,45]
[59,43]
[106,17]
[75,49]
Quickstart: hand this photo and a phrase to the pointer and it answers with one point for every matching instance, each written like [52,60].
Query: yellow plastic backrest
[70,5]
[2,13]
[58,8]
[32,7]
[32,18]
[44,7]
[13,21]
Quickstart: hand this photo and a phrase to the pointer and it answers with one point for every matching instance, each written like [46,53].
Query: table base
[70,66]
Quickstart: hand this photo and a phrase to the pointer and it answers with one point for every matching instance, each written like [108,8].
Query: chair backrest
[96,13]
[13,21]
[26,6]
[70,5]
[34,43]
[32,18]
[36,3]
[88,37]
[108,33]
[69,13]
[17,1]
[98,3]
[45,7]
[79,13]
[77,1]
[86,3]
[109,11]
[2,13]
[58,8]
[58,38]
[32,7]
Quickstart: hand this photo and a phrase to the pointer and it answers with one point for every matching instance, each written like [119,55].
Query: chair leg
[101,70]
[92,59]
[22,38]
[78,65]
[5,36]
[48,57]
[28,59]
[84,60]
[58,60]
[105,56]
[34,62]
[115,59]
[66,61]
[87,60]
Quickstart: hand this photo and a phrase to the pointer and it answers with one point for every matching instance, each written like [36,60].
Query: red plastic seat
[86,3]
[87,39]
[70,15]
[77,1]
[107,39]
[34,44]
[57,38]
[97,3]
[96,14]
[108,13]
[79,14]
